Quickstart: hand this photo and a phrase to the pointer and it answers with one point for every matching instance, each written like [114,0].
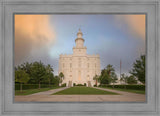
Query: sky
[113,37]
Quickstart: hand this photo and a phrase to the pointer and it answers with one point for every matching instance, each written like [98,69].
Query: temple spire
[79,40]
[79,34]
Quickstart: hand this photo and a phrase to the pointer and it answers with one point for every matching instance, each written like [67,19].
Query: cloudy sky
[113,37]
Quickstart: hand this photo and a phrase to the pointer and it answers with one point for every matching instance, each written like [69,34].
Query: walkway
[47,97]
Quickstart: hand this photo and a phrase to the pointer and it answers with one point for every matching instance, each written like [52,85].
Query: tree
[109,69]
[128,79]
[123,78]
[131,80]
[49,73]
[21,76]
[38,72]
[113,78]
[61,75]
[56,80]
[139,69]
[27,67]
[105,77]
[96,77]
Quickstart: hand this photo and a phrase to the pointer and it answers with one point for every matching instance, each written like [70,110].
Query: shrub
[63,85]
[133,87]
[85,84]
[30,86]
[55,85]
[102,85]
[74,84]
[79,85]
[95,85]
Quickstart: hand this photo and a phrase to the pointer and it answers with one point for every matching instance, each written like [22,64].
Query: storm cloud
[33,37]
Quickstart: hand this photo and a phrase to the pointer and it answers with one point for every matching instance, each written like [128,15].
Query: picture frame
[10,7]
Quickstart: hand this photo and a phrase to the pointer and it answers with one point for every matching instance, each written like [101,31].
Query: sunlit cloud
[33,34]
[136,24]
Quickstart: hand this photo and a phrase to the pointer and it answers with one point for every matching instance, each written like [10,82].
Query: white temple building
[79,67]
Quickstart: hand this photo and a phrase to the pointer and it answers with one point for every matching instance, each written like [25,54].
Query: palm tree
[96,77]
[27,67]
[49,71]
[61,75]
[109,69]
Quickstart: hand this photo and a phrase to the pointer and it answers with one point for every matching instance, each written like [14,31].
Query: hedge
[133,87]
[30,86]
[79,85]
[74,84]
[63,85]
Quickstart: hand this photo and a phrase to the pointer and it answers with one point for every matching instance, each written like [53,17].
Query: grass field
[127,90]
[84,91]
[31,91]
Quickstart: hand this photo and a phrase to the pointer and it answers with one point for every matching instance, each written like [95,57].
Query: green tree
[105,77]
[21,76]
[56,80]
[131,80]
[96,77]
[109,69]
[49,73]
[113,78]
[38,72]
[27,67]
[139,69]
[61,76]
[123,78]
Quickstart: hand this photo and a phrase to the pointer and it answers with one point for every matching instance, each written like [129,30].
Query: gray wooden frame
[7,10]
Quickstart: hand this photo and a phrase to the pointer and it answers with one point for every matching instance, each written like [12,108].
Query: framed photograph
[79,57]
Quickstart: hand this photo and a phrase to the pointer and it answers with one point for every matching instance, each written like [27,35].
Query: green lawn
[31,91]
[84,91]
[127,90]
